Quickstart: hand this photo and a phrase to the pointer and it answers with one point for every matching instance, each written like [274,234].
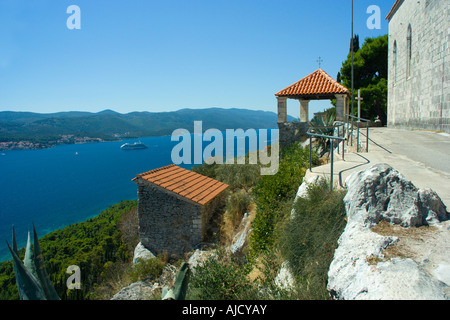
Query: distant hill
[111,125]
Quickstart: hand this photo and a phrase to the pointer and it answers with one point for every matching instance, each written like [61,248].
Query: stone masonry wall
[422,99]
[167,222]
[290,132]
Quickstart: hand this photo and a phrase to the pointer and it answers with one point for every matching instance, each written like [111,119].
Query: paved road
[430,148]
[421,156]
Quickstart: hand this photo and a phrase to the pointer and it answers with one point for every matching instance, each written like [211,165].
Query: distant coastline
[30,145]
[30,131]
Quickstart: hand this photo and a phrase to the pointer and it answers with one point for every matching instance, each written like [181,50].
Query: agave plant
[32,279]
[323,125]
[178,291]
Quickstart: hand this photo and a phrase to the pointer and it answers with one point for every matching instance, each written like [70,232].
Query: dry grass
[230,224]
[407,238]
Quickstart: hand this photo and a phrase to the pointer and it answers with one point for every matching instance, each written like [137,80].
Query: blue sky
[165,55]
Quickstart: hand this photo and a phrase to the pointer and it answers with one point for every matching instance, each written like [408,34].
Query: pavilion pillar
[304,114]
[341,106]
[282,109]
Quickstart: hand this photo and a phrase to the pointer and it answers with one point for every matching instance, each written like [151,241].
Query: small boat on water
[133,146]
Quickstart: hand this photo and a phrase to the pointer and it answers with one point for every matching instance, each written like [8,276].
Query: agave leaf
[181,282]
[49,290]
[14,248]
[14,242]
[29,258]
[167,294]
[27,284]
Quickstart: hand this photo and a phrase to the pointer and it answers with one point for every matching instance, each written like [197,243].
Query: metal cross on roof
[320,60]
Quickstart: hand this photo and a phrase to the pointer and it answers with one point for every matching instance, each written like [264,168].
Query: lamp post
[351,48]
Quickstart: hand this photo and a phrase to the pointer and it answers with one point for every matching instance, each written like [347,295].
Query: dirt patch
[410,239]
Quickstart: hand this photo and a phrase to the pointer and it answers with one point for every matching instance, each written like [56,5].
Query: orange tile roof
[186,183]
[317,85]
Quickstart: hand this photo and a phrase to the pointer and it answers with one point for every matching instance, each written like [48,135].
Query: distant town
[28,145]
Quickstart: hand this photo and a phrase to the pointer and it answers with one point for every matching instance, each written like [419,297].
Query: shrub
[274,194]
[237,176]
[237,205]
[308,239]
[147,269]
[220,278]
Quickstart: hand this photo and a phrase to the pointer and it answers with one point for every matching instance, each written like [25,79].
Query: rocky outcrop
[240,239]
[403,259]
[148,289]
[382,193]
[141,253]
[199,257]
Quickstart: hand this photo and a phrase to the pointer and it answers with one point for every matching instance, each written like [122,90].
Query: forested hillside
[111,125]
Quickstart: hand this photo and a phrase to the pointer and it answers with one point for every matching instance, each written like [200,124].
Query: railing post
[339,134]
[357,136]
[343,150]
[332,159]
[367,142]
[351,136]
[310,146]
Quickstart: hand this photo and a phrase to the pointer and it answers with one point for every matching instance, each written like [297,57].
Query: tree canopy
[370,66]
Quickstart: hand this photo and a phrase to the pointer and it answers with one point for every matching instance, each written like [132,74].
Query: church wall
[422,99]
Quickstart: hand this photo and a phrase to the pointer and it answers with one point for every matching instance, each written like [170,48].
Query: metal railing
[358,120]
[341,137]
[332,138]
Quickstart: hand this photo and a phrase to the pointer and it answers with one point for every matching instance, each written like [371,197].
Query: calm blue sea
[55,187]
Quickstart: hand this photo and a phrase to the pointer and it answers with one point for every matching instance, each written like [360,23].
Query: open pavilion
[316,86]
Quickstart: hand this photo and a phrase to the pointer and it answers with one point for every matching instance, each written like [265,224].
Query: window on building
[408,51]
[395,61]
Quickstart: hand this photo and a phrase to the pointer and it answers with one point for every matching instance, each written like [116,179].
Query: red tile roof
[317,85]
[186,183]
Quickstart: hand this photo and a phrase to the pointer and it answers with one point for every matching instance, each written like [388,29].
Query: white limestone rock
[141,253]
[199,257]
[359,269]
[285,280]
[240,240]
[382,193]
[141,290]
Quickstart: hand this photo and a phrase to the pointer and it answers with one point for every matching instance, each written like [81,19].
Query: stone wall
[290,132]
[420,99]
[167,222]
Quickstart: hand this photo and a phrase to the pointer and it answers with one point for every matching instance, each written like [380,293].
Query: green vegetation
[370,75]
[220,278]
[273,193]
[94,245]
[309,238]
[306,241]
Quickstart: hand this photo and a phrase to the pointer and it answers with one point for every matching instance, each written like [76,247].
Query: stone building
[419,65]
[316,86]
[175,207]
